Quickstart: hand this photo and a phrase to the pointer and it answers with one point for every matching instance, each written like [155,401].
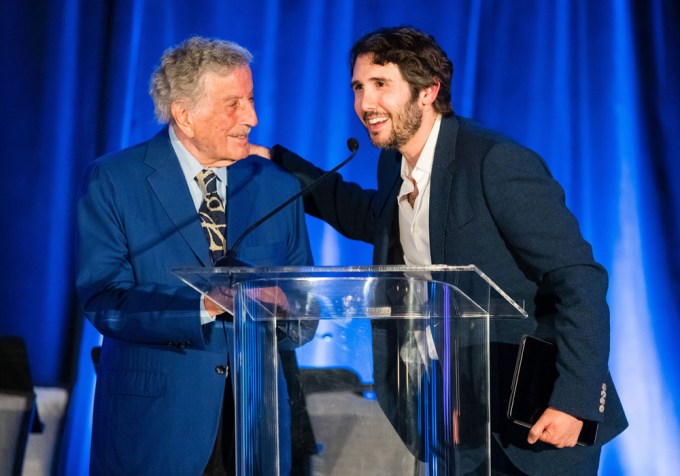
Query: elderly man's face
[222,118]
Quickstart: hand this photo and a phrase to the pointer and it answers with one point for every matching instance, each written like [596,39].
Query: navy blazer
[160,382]
[494,204]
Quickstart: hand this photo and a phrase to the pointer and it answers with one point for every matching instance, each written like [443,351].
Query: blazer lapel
[388,235]
[242,194]
[440,193]
[167,182]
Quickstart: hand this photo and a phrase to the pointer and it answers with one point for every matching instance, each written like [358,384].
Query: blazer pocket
[133,382]
[271,254]
[461,222]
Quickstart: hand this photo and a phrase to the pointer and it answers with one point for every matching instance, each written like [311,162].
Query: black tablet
[532,385]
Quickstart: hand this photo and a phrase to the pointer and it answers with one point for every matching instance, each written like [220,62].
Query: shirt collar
[424,163]
[190,165]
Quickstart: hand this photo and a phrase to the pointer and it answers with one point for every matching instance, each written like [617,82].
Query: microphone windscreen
[352,144]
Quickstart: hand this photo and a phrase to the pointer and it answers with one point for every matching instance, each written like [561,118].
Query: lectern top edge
[472,282]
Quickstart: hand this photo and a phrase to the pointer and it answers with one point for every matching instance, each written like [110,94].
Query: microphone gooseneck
[230,258]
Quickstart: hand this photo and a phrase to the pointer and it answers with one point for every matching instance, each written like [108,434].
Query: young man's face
[222,118]
[384,103]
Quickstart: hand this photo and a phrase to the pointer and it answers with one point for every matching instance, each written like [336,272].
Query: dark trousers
[222,461]
[502,466]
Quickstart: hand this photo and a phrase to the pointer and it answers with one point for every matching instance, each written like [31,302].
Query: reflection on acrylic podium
[392,371]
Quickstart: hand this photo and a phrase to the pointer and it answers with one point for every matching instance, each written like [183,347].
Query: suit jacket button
[601,408]
[221,370]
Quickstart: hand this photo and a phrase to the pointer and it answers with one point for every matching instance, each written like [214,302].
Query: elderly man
[163,402]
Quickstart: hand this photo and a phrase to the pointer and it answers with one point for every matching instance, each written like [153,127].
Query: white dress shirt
[414,221]
[191,167]
[414,232]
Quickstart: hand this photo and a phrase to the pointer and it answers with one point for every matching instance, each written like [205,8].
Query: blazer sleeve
[528,207]
[117,302]
[346,206]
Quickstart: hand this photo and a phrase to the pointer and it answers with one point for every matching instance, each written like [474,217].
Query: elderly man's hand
[272,298]
[223,295]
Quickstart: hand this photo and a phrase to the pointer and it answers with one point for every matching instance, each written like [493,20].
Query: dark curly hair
[421,61]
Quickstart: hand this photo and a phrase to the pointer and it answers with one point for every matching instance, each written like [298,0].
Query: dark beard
[405,125]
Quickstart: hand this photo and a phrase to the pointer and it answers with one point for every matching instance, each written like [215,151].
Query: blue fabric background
[592,86]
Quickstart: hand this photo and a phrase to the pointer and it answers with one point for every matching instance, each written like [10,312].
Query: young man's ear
[429,95]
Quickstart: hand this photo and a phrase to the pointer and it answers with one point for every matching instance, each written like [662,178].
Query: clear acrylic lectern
[392,373]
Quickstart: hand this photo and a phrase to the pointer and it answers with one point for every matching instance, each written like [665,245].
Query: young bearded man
[452,192]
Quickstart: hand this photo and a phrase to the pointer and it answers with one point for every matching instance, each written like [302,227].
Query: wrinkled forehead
[221,71]
[235,77]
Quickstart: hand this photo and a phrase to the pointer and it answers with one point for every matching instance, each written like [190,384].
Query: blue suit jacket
[158,395]
[494,203]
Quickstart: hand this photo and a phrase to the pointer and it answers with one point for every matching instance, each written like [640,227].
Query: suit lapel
[167,182]
[242,194]
[389,226]
[440,192]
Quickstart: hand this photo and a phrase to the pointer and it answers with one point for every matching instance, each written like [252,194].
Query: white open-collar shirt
[414,222]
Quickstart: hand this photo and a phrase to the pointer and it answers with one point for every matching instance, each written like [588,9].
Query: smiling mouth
[242,134]
[375,118]
[374,122]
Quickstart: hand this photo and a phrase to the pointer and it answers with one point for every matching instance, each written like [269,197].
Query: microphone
[230,259]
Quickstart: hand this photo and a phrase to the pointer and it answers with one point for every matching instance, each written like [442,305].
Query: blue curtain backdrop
[593,86]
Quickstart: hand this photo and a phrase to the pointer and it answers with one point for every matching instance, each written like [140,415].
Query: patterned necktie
[213,216]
